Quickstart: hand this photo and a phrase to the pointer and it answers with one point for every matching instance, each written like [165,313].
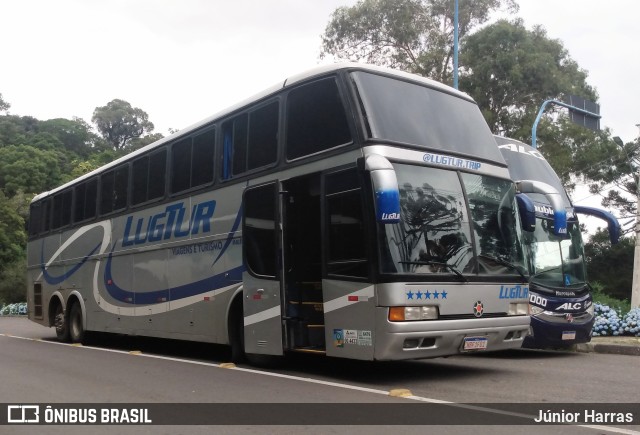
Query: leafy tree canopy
[28,168]
[510,71]
[12,235]
[4,106]
[76,134]
[412,35]
[118,122]
[611,265]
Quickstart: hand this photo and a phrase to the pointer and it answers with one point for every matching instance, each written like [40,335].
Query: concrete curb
[612,345]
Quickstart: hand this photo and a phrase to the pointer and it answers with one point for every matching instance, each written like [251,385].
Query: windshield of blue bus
[441,232]
[415,114]
[555,261]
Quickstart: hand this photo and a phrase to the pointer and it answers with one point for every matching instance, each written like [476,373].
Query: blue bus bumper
[559,330]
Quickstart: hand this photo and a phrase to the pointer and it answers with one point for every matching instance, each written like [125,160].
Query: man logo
[478,309]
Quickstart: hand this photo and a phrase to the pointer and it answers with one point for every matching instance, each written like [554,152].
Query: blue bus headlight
[534,310]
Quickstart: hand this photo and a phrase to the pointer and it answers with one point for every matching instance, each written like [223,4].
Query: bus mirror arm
[612,222]
[385,188]
[527,212]
[554,198]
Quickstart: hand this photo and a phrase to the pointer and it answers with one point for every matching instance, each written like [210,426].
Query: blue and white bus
[350,211]
[562,312]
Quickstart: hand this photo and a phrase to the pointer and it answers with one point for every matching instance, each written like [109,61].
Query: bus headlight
[519,309]
[404,314]
[534,311]
[591,309]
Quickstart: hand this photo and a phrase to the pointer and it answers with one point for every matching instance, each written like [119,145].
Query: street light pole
[635,286]
[455,45]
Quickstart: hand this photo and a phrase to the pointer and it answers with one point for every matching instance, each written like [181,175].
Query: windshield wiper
[506,264]
[437,263]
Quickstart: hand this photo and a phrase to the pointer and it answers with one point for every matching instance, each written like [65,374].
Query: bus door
[302,271]
[262,257]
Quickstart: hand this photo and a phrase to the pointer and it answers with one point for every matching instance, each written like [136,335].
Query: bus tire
[76,329]
[61,323]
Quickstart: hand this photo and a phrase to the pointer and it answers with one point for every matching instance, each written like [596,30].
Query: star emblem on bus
[478,309]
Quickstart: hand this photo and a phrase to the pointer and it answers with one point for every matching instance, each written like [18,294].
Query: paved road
[37,369]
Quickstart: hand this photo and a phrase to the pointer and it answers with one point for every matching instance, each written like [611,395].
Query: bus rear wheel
[61,324]
[76,330]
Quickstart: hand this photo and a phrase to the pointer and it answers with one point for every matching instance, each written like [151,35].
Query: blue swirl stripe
[52,279]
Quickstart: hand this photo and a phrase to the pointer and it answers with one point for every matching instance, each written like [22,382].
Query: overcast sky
[183,60]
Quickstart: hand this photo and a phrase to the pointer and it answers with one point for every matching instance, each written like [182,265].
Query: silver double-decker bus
[350,211]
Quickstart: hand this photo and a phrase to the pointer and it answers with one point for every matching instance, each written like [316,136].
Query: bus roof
[318,71]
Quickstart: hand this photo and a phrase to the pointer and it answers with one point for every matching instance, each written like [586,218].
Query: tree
[610,265]
[76,135]
[13,282]
[615,178]
[510,71]
[145,140]
[118,123]
[13,237]
[30,169]
[4,106]
[411,35]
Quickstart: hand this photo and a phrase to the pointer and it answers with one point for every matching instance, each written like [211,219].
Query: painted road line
[333,384]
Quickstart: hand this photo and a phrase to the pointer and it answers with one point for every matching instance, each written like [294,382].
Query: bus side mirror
[385,189]
[527,212]
[554,198]
[612,222]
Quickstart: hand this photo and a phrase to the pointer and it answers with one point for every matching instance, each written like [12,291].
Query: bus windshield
[555,261]
[452,223]
[414,114]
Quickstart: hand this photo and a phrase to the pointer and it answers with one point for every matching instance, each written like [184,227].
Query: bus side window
[113,189]
[86,195]
[263,136]
[148,177]
[316,119]
[259,237]
[35,218]
[346,241]
[202,158]
[62,209]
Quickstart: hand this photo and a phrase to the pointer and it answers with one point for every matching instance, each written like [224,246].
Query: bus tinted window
[235,146]
[192,162]
[46,215]
[415,114]
[347,247]
[263,136]
[250,141]
[62,209]
[35,218]
[259,238]
[113,189]
[202,158]
[85,207]
[148,177]
[316,119]
[181,165]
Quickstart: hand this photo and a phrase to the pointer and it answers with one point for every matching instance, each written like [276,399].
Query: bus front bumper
[559,330]
[435,338]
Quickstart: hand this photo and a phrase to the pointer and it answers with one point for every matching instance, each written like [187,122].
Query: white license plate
[475,343]
[568,335]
